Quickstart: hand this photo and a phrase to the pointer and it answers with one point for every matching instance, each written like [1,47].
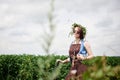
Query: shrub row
[26,67]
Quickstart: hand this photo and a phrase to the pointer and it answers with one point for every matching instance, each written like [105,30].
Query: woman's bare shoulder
[86,43]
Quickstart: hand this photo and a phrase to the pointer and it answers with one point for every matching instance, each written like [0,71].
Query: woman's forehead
[77,28]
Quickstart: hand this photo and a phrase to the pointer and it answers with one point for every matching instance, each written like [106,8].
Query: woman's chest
[74,48]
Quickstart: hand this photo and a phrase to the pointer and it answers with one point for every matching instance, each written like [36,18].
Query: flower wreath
[78,25]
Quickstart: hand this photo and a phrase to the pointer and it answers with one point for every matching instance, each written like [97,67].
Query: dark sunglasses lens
[76,32]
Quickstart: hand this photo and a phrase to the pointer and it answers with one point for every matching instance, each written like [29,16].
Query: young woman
[79,50]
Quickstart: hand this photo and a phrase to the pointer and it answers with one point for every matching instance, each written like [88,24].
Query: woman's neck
[77,40]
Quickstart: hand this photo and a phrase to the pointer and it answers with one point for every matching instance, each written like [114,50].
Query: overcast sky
[22,23]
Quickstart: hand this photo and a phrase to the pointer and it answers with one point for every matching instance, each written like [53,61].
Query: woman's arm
[89,51]
[64,61]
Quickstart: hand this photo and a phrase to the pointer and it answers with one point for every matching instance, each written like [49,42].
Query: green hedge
[26,67]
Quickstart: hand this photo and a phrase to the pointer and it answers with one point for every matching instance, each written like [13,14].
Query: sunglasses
[77,32]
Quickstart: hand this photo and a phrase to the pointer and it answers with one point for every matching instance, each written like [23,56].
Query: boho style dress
[77,68]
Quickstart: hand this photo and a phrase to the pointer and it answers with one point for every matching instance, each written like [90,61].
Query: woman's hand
[80,57]
[58,61]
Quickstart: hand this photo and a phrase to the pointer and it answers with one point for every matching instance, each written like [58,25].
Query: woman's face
[77,32]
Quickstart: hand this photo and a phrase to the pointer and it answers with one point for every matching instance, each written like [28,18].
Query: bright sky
[22,23]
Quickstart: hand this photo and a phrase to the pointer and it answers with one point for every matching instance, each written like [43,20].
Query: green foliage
[18,67]
[113,61]
[30,67]
[100,70]
[47,69]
